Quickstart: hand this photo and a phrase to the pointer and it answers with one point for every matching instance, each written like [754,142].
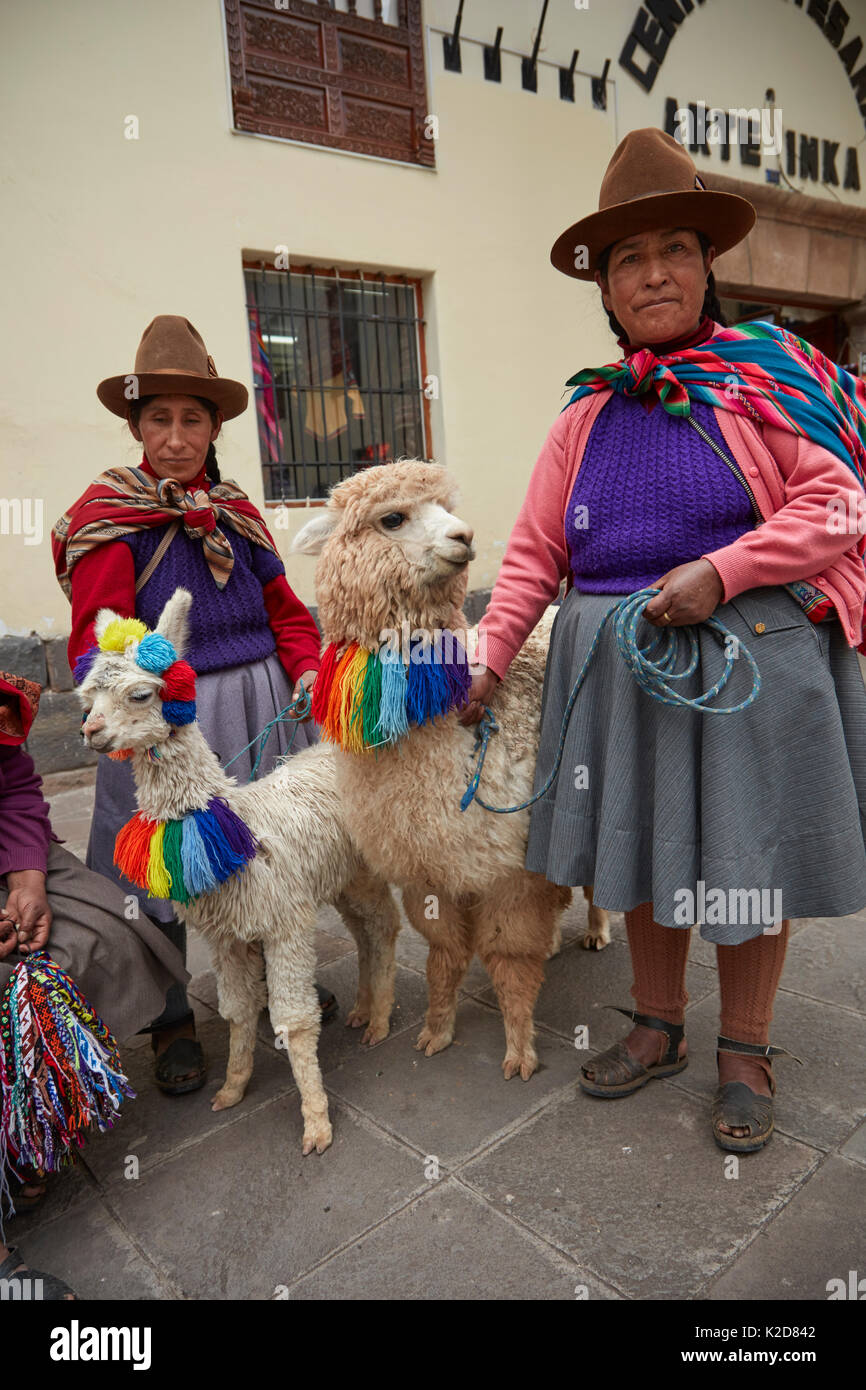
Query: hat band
[171,371]
[653,193]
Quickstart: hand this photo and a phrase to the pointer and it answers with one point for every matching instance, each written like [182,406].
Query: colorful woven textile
[124,500]
[756,370]
[60,1069]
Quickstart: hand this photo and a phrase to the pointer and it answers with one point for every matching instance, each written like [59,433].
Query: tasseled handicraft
[60,1070]
[364,699]
[181,859]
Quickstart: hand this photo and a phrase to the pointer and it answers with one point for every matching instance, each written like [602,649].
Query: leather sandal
[617,1073]
[34,1283]
[182,1056]
[739,1107]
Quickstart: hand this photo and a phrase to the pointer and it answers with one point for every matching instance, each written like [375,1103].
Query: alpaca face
[390,545]
[122,706]
[122,694]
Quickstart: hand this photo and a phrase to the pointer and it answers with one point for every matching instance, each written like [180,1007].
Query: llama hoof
[226,1097]
[318,1137]
[593,942]
[526,1065]
[357,1018]
[431,1043]
[375,1034]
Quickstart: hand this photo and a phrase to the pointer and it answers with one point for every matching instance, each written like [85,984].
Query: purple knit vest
[227,627]
[650,494]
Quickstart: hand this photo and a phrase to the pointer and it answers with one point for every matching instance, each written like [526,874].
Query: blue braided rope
[653,676]
[302,705]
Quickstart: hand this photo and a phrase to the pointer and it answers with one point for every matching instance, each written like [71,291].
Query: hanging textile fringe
[60,1071]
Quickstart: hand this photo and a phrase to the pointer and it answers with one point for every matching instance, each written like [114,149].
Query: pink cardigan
[792,479]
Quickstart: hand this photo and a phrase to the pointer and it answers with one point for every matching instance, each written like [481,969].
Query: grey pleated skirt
[730,820]
[232,706]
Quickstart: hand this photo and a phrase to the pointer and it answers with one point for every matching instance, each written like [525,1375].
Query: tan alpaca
[306,857]
[391,551]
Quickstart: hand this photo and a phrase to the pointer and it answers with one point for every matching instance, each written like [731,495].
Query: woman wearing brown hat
[653,477]
[130,540]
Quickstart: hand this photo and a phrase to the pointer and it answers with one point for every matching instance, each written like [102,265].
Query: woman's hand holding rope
[689,594]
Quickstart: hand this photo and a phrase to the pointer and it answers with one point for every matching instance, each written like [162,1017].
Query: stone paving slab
[243,1212]
[154,1126]
[807,1244]
[820,1102]
[90,1250]
[450,1104]
[635,1189]
[449,1245]
[825,961]
[65,1190]
[855,1148]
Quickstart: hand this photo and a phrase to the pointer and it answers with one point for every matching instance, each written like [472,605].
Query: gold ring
[666,615]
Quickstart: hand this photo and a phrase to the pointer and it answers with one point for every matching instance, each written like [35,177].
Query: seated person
[48,899]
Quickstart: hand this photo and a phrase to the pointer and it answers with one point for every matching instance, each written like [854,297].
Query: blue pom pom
[178,711]
[83,664]
[155,652]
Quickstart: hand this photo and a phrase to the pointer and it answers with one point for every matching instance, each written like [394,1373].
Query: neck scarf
[756,370]
[122,501]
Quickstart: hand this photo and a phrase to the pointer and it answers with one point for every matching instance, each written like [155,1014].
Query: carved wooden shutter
[304,71]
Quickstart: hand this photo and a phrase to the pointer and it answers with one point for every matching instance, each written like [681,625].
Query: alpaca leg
[369,911]
[597,934]
[296,1020]
[514,930]
[450,952]
[242,995]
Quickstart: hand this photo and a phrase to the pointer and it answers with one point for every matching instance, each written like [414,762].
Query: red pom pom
[178,682]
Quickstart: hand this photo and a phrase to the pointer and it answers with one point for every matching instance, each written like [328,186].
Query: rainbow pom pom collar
[364,700]
[154,653]
[182,859]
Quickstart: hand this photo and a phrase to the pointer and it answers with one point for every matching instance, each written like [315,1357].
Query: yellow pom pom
[120,632]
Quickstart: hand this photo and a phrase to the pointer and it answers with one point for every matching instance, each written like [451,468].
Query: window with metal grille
[339,369]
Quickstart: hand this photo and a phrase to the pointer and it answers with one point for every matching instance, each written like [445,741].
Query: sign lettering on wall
[657,21]
[712,130]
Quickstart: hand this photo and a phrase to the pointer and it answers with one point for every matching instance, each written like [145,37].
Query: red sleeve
[298,641]
[103,578]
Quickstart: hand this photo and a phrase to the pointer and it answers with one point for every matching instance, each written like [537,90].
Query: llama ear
[103,618]
[311,538]
[174,620]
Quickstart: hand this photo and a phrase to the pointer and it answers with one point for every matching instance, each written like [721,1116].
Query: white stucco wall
[100,232]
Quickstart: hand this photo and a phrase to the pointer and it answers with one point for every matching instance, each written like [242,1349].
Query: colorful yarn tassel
[364,699]
[60,1070]
[181,859]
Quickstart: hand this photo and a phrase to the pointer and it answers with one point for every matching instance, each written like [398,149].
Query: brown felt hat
[651,182]
[19,701]
[172,360]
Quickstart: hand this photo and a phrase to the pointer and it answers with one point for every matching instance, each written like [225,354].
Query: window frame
[257,263]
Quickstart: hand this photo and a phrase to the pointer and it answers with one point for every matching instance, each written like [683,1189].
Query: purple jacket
[25,830]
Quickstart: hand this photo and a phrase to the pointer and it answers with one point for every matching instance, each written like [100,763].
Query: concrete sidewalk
[445,1181]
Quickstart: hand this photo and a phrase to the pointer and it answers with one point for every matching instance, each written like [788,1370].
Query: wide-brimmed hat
[172,360]
[650,182]
[19,701]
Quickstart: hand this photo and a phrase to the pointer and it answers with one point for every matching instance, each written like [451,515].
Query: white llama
[305,857]
[392,553]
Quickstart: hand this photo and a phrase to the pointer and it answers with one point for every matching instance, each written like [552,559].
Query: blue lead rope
[653,676]
[302,705]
